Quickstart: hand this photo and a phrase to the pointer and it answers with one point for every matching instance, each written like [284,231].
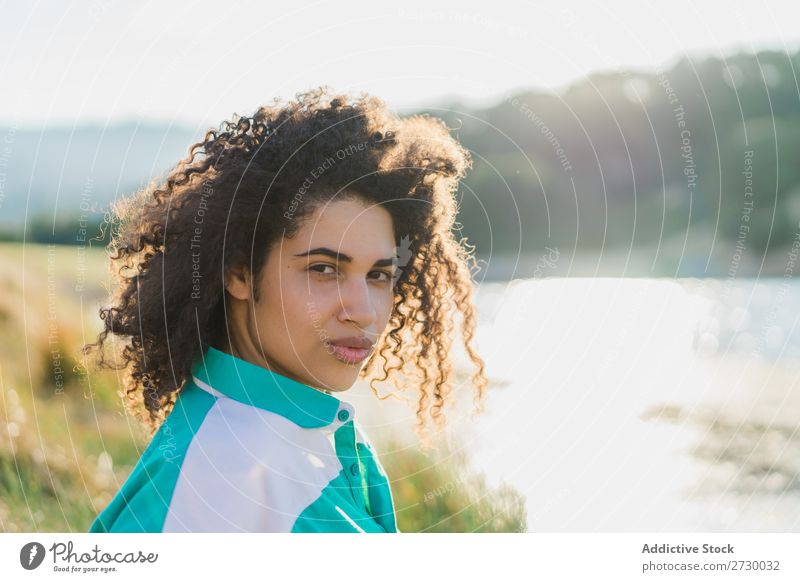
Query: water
[640,404]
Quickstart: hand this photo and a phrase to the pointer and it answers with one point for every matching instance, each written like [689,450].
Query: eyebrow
[345,258]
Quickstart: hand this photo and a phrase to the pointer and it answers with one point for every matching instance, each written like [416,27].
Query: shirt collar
[231,377]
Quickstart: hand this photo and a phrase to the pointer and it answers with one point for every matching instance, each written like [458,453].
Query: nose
[356,303]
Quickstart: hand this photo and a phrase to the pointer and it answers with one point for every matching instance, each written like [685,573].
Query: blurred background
[634,205]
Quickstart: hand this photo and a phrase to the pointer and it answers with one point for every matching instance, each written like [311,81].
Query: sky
[98,61]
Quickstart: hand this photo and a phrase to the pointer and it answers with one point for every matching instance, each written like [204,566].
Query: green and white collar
[224,375]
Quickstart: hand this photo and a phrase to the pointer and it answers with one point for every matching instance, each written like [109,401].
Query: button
[343,415]
[354,469]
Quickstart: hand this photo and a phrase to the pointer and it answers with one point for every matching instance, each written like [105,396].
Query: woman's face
[320,293]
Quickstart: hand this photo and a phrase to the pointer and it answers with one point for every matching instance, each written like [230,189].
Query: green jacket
[246,449]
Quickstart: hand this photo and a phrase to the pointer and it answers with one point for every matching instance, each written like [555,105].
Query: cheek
[307,308]
[286,308]
[385,306]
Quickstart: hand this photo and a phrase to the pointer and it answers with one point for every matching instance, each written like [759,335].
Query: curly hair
[246,185]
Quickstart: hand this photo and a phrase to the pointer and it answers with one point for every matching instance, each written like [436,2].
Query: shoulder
[249,469]
[362,437]
[141,503]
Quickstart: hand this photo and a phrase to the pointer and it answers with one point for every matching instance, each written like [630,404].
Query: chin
[341,381]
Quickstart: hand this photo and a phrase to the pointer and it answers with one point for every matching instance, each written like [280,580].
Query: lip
[350,350]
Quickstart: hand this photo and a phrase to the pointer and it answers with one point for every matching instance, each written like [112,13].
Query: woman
[291,252]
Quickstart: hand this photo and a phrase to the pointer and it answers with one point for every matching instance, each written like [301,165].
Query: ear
[238,282]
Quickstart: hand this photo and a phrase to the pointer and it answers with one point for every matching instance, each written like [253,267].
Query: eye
[387,275]
[316,268]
